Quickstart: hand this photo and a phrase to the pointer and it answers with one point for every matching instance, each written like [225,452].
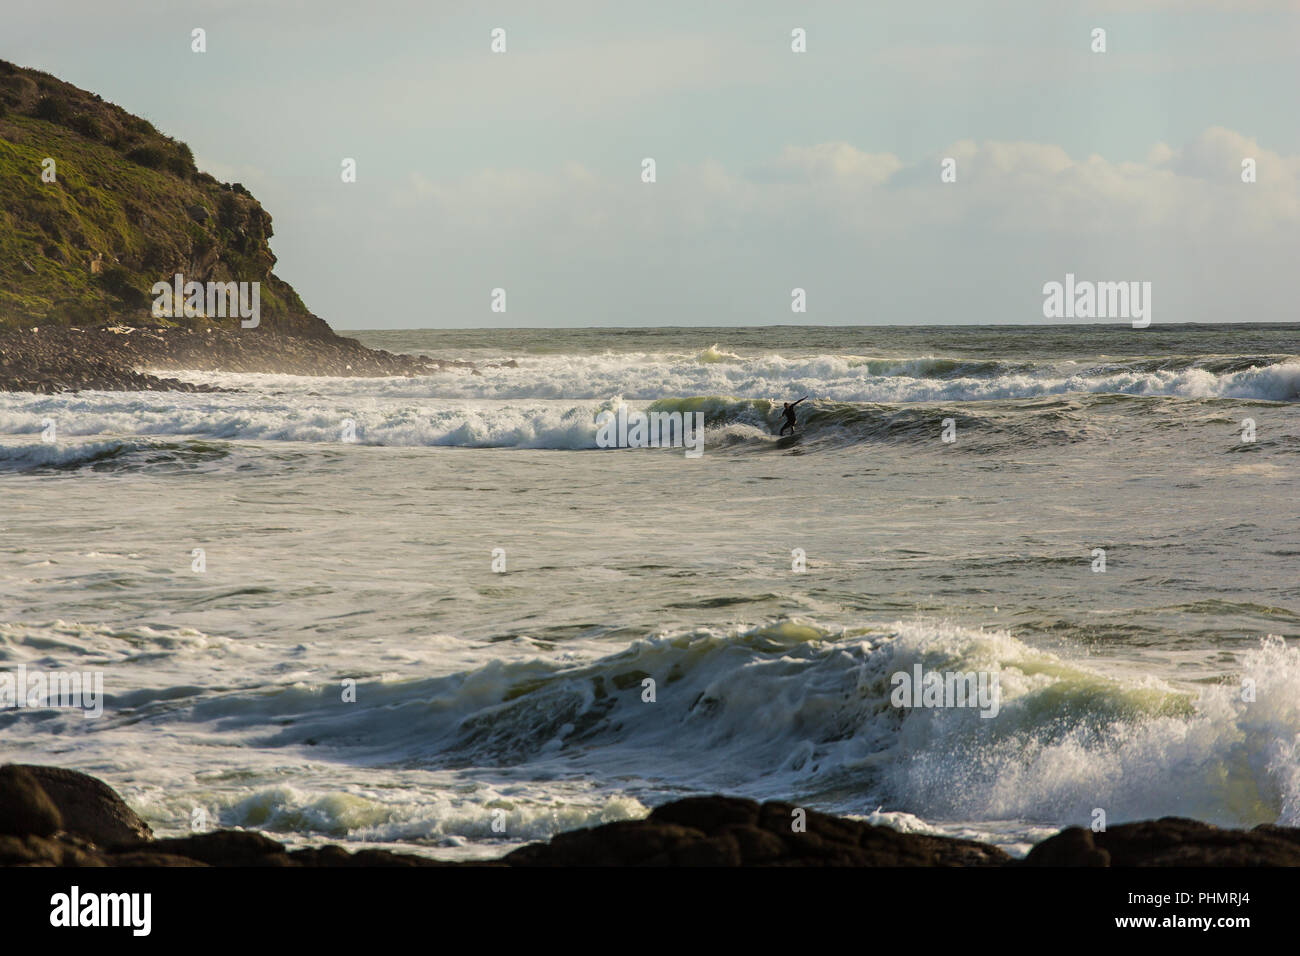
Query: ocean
[431,614]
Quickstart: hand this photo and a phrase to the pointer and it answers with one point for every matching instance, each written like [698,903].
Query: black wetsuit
[788,412]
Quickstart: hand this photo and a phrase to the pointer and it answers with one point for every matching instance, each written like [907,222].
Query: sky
[775,170]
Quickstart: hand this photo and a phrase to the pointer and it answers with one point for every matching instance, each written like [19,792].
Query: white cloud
[879,239]
[1025,187]
[840,163]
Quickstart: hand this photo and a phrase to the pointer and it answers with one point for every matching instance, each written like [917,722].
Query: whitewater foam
[521,692]
[794,709]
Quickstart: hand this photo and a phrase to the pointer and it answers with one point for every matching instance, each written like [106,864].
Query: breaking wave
[794,710]
[552,401]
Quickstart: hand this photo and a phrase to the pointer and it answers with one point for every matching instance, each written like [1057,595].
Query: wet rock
[220,848]
[698,831]
[89,808]
[756,845]
[1072,847]
[321,856]
[625,843]
[1170,841]
[43,851]
[723,850]
[707,814]
[25,808]
[727,831]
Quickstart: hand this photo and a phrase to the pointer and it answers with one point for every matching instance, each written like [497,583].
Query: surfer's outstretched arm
[804,399]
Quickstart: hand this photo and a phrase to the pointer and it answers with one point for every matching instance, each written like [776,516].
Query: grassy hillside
[127,196]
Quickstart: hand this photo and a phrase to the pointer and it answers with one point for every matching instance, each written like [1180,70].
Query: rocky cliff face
[96,205]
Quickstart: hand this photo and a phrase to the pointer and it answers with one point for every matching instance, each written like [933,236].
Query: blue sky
[775,170]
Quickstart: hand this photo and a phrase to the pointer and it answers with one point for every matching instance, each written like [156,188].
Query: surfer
[788,411]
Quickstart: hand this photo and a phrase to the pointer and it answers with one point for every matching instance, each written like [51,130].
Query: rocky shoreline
[50,816]
[53,359]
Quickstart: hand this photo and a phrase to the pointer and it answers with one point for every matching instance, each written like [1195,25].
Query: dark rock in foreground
[88,808]
[55,817]
[1170,841]
[25,808]
[726,831]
